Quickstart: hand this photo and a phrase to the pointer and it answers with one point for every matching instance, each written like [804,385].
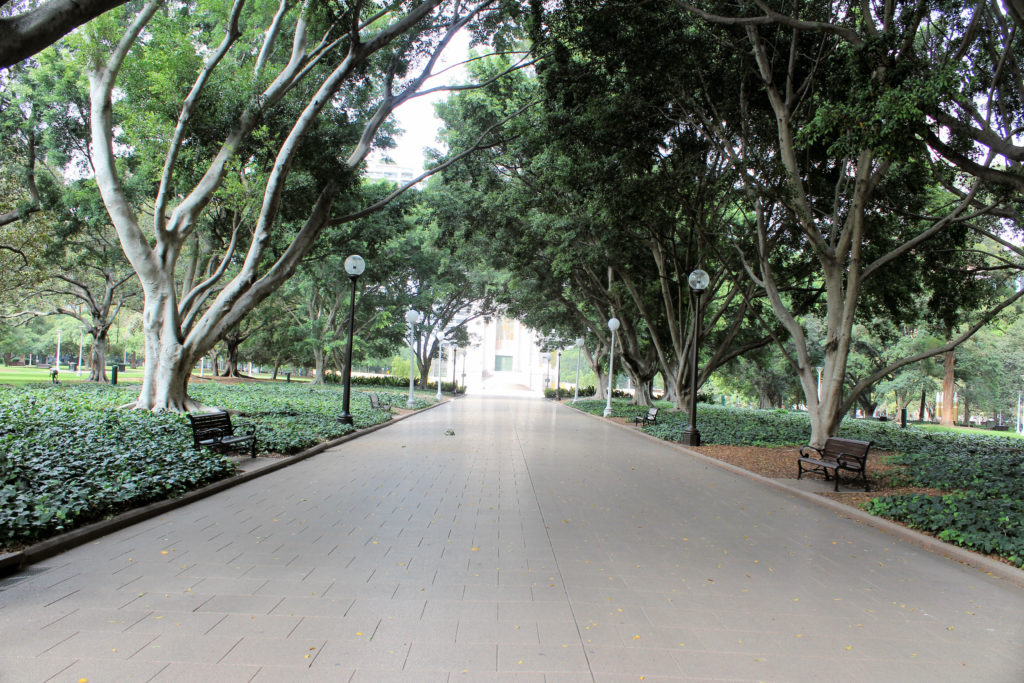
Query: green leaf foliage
[69,455]
[749,427]
[985,524]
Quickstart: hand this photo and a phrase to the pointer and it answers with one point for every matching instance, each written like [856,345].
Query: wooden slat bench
[648,418]
[214,430]
[849,455]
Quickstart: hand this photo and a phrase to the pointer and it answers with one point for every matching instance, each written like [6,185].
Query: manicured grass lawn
[967,430]
[19,375]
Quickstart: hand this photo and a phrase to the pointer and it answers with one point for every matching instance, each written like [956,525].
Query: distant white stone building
[505,354]
[378,169]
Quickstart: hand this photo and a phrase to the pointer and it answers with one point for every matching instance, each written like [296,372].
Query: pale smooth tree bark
[180,329]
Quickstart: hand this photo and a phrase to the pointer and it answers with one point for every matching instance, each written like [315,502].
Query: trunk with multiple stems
[102,304]
[232,341]
[835,235]
[179,331]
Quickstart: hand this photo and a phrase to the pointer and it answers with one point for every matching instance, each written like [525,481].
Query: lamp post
[698,283]
[613,324]
[455,364]
[354,266]
[558,374]
[81,342]
[546,357]
[411,317]
[440,344]
[579,352]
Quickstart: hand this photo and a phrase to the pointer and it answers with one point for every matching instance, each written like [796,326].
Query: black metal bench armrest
[810,452]
[857,460]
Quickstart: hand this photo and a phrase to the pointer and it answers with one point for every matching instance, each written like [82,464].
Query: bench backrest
[834,447]
[210,425]
[652,413]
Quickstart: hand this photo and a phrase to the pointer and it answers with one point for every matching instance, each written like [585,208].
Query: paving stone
[99,619]
[295,652]
[108,670]
[537,544]
[452,657]
[31,668]
[100,645]
[179,623]
[188,672]
[187,648]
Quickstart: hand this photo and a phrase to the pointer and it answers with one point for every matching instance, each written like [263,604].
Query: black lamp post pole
[691,437]
[346,417]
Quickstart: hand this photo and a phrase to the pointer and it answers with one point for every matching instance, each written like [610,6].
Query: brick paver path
[533,544]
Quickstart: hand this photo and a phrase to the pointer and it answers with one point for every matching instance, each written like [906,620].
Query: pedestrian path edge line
[13,562]
[970,558]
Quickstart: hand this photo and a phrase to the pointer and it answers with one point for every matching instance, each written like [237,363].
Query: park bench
[648,418]
[838,454]
[378,402]
[214,430]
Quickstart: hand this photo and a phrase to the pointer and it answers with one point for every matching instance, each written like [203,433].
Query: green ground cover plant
[982,474]
[749,427]
[983,512]
[70,455]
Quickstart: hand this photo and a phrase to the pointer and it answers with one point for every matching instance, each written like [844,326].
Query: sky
[417,118]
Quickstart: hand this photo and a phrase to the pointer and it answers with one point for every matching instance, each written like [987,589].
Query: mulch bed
[780,463]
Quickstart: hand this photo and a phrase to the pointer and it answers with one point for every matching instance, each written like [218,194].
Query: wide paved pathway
[505,539]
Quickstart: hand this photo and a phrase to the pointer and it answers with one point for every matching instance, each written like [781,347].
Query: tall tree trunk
[168,365]
[671,390]
[948,388]
[98,358]
[231,344]
[644,395]
[320,365]
[867,404]
[277,366]
[920,411]
[601,388]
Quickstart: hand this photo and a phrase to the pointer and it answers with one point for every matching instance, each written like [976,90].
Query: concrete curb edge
[12,562]
[970,558]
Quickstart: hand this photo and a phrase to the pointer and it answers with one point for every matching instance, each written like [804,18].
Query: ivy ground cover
[69,455]
[981,475]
